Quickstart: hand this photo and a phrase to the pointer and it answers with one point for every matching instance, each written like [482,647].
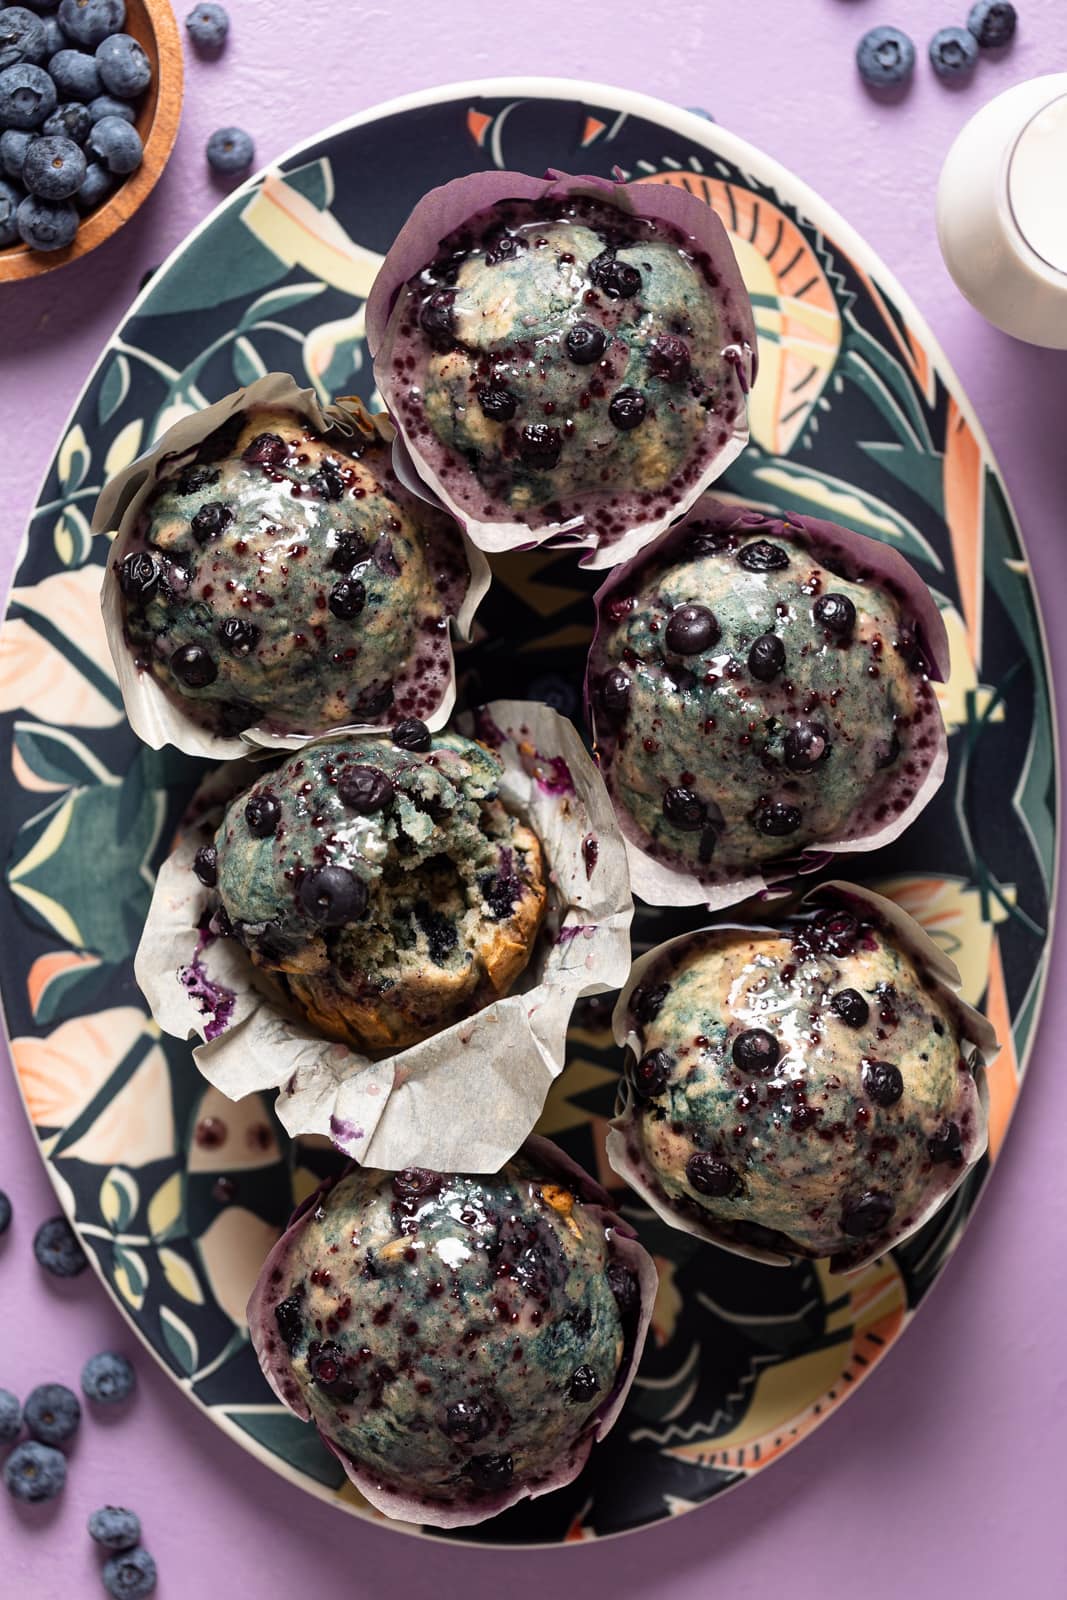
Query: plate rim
[820,214]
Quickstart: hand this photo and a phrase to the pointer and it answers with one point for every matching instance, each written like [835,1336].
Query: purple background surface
[943,1476]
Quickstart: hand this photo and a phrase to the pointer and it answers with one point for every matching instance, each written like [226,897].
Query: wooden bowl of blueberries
[90,99]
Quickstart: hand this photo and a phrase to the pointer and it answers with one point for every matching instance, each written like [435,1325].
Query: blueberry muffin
[759,687]
[285,580]
[812,1090]
[383,883]
[459,1342]
[570,359]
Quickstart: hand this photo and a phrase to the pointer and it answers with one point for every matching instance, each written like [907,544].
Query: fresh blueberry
[52,1413]
[125,70]
[230,150]
[34,1472]
[129,1575]
[207,26]
[332,896]
[54,168]
[54,37]
[105,105]
[27,96]
[115,145]
[10,200]
[75,75]
[953,53]
[10,1416]
[88,22]
[885,58]
[22,37]
[96,186]
[5,1213]
[70,121]
[115,1528]
[108,1378]
[412,734]
[57,1249]
[992,23]
[13,146]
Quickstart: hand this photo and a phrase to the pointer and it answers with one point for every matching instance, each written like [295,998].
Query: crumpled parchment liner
[661,883]
[973,1026]
[443,210]
[465,1099]
[553,1162]
[158,720]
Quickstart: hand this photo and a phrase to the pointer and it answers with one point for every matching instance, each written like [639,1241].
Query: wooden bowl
[152,23]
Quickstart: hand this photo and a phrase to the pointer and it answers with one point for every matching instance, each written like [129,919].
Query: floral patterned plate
[178,1194]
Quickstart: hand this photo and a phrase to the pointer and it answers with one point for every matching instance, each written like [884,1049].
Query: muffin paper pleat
[155,717]
[464,1099]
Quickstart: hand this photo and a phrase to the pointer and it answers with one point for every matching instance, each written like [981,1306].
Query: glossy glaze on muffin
[809,1091]
[285,580]
[457,1340]
[384,882]
[754,696]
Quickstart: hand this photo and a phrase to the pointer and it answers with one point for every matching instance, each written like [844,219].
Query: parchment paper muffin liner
[157,718]
[464,1099]
[443,210]
[662,882]
[623,1152]
[548,1158]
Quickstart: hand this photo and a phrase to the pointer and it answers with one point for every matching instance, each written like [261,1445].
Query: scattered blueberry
[290,1322]
[992,22]
[851,1007]
[27,96]
[883,1081]
[105,105]
[70,121]
[5,1213]
[466,1421]
[805,745]
[540,445]
[266,450]
[586,343]
[115,1528]
[866,1215]
[766,658]
[647,1002]
[708,1175]
[946,1145]
[129,1575]
[411,734]
[35,1472]
[116,145]
[347,598]
[756,1051]
[194,666]
[230,150]
[437,318]
[52,1413]
[652,1073]
[332,896]
[885,57]
[239,636]
[490,1473]
[415,1183]
[364,789]
[691,629]
[762,556]
[88,22]
[498,404]
[627,409]
[138,575]
[207,26]
[778,818]
[14,143]
[617,279]
[210,520]
[108,1378]
[684,809]
[613,692]
[22,37]
[10,200]
[669,358]
[46,224]
[206,865]
[57,1249]
[10,1416]
[263,814]
[54,168]
[583,1385]
[125,70]
[835,613]
[75,75]
[953,53]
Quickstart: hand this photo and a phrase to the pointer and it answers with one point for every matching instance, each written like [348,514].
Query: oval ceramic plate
[855,417]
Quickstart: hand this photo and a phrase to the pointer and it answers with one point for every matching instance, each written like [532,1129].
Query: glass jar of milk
[1002,211]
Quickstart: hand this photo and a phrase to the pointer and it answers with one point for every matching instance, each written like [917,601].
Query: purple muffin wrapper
[664,883]
[155,717]
[466,1098]
[550,1159]
[441,212]
[973,1026]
